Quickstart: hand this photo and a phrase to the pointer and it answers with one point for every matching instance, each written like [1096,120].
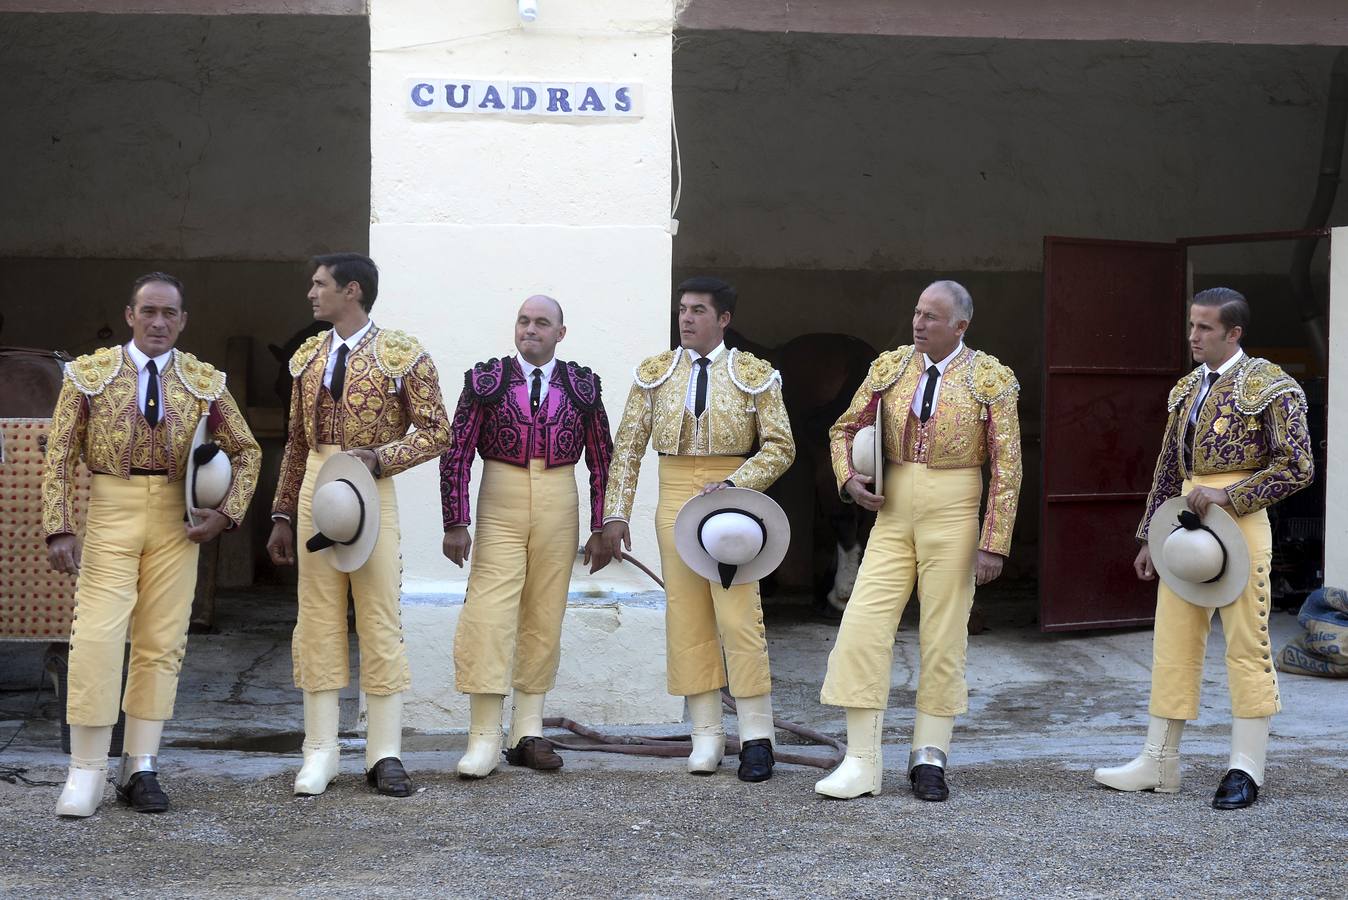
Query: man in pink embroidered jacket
[530,417]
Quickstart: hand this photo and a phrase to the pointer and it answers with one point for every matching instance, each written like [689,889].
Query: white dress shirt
[143,376]
[690,399]
[1203,386]
[922,382]
[528,369]
[351,343]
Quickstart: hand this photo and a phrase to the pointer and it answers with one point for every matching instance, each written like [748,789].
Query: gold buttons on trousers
[1263,628]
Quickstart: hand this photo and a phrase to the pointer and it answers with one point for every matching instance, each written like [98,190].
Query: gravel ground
[647,830]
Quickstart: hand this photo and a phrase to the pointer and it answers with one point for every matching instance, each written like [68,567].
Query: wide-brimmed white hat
[1205,561]
[732,536]
[345,510]
[868,451]
[209,473]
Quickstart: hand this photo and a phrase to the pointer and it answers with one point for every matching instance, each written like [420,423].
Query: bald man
[530,417]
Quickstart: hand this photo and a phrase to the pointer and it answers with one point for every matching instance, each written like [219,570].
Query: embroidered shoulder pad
[751,374]
[1260,382]
[888,366]
[395,352]
[582,385]
[989,380]
[300,360]
[95,371]
[203,380]
[1182,389]
[486,381]
[654,371]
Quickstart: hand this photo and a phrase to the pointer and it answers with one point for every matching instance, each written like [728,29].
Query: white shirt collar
[693,355]
[941,366]
[352,341]
[528,368]
[141,360]
[1226,366]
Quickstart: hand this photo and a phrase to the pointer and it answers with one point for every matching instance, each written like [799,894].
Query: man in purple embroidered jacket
[530,417]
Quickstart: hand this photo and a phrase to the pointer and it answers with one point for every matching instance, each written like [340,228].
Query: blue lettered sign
[544,99]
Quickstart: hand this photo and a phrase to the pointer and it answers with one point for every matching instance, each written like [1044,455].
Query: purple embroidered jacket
[493,419]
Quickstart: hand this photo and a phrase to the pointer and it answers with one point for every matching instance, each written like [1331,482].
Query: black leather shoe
[389,778]
[929,783]
[143,793]
[756,760]
[1236,791]
[534,753]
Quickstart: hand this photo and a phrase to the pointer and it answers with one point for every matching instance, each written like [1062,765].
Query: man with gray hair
[529,417]
[943,410]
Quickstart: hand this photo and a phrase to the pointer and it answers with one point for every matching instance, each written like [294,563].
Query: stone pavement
[1024,818]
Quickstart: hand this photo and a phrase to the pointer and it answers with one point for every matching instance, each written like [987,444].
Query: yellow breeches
[1181,635]
[319,647]
[510,631]
[926,533]
[138,567]
[701,618]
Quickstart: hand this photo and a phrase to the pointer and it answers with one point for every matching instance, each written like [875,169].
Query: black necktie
[152,394]
[536,392]
[1192,424]
[700,400]
[933,375]
[339,374]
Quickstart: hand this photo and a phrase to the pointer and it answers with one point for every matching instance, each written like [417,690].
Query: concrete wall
[1336,497]
[471,214]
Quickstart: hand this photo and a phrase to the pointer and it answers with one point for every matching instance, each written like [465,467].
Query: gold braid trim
[1182,389]
[654,371]
[202,380]
[395,352]
[751,374]
[989,380]
[1260,382]
[888,366]
[302,356]
[94,371]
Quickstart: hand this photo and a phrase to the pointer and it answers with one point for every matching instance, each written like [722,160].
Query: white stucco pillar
[470,213]
[477,207]
[1336,483]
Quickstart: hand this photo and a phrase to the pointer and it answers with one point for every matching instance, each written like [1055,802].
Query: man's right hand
[857,488]
[281,544]
[63,554]
[1142,565]
[616,536]
[458,543]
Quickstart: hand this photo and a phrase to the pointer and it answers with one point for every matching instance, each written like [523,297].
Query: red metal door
[1113,346]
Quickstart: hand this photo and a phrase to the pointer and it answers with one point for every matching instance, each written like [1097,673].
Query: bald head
[538,329]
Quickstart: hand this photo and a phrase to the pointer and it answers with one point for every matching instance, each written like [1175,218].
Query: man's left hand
[597,554]
[987,567]
[369,458]
[210,522]
[713,487]
[1200,498]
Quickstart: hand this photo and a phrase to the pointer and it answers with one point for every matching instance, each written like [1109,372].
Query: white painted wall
[470,215]
[1336,484]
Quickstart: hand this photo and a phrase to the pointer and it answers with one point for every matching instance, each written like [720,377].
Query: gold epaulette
[654,371]
[95,371]
[989,380]
[395,352]
[1182,389]
[306,352]
[1260,382]
[888,366]
[203,380]
[751,374]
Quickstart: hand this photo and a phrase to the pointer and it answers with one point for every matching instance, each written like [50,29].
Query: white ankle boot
[754,715]
[526,720]
[484,736]
[322,754]
[708,733]
[383,728]
[862,769]
[83,790]
[1249,747]
[1157,768]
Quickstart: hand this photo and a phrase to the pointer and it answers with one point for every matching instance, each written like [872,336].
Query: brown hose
[677,745]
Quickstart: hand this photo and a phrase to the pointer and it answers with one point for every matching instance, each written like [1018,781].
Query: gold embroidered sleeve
[426,410]
[860,413]
[1168,479]
[1004,463]
[65,438]
[629,446]
[295,457]
[1291,465]
[776,446]
[231,432]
